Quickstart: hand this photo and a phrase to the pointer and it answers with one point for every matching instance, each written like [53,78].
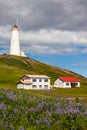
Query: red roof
[68,79]
[15,26]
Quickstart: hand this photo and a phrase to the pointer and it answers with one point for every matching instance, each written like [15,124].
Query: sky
[51,31]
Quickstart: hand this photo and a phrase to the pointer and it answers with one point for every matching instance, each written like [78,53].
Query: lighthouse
[15,44]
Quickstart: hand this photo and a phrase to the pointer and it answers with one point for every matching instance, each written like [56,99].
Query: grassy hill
[14,67]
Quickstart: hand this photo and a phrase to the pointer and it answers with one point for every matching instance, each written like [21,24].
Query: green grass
[80,91]
[13,68]
[72,93]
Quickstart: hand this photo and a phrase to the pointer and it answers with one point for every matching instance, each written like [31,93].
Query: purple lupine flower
[15,111]
[71,111]
[47,122]
[79,104]
[12,128]
[76,111]
[21,128]
[31,110]
[59,122]
[49,114]
[59,111]
[1,98]
[14,99]
[6,125]
[11,118]
[38,107]
[1,123]
[4,115]
[38,122]
[72,128]
[70,102]
[2,106]
[22,108]
[85,113]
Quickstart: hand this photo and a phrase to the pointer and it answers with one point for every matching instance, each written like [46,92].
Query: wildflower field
[21,110]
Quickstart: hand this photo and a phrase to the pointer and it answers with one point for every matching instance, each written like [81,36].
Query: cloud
[55,37]
[84,51]
[46,26]
[57,14]
[54,41]
[47,41]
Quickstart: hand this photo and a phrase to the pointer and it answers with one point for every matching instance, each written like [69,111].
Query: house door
[73,85]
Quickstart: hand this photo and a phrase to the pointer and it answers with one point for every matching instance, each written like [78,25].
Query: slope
[14,67]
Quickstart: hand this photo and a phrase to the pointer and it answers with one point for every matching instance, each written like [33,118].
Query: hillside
[14,67]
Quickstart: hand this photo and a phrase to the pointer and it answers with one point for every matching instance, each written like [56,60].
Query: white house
[34,82]
[66,82]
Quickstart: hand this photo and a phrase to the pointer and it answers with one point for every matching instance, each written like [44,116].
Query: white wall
[42,83]
[67,86]
[78,84]
[58,84]
[15,46]
[39,85]
[20,86]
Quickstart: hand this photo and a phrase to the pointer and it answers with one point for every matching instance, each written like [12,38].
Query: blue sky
[51,31]
[76,63]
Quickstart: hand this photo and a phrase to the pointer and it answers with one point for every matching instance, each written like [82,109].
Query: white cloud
[55,37]
[84,51]
[47,41]
[5,32]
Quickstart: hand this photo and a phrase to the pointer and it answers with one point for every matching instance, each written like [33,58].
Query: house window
[76,83]
[34,80]
[45,80]
[34,86]
[40,86]
[45,86]
[40,80]
[67,84]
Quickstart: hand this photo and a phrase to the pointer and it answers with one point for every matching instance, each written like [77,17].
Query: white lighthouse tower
[15,44]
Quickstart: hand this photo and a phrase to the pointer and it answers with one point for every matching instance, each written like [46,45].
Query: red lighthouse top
[15,27]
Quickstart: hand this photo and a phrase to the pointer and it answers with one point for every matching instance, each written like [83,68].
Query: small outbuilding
[67,82]
[34,82]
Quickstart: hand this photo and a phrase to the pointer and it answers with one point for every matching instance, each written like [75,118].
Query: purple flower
[12,128]
[85,113]
[1,123]
[15,111]
[31,110]
[21,128]
[72,128]
[47,122]
[49,114]
[38,122]
[79,104]
[1,97]
[6,125]
[74,111]
[59,111]
[59,122]
[4,115]
[2,106]
[71,111]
